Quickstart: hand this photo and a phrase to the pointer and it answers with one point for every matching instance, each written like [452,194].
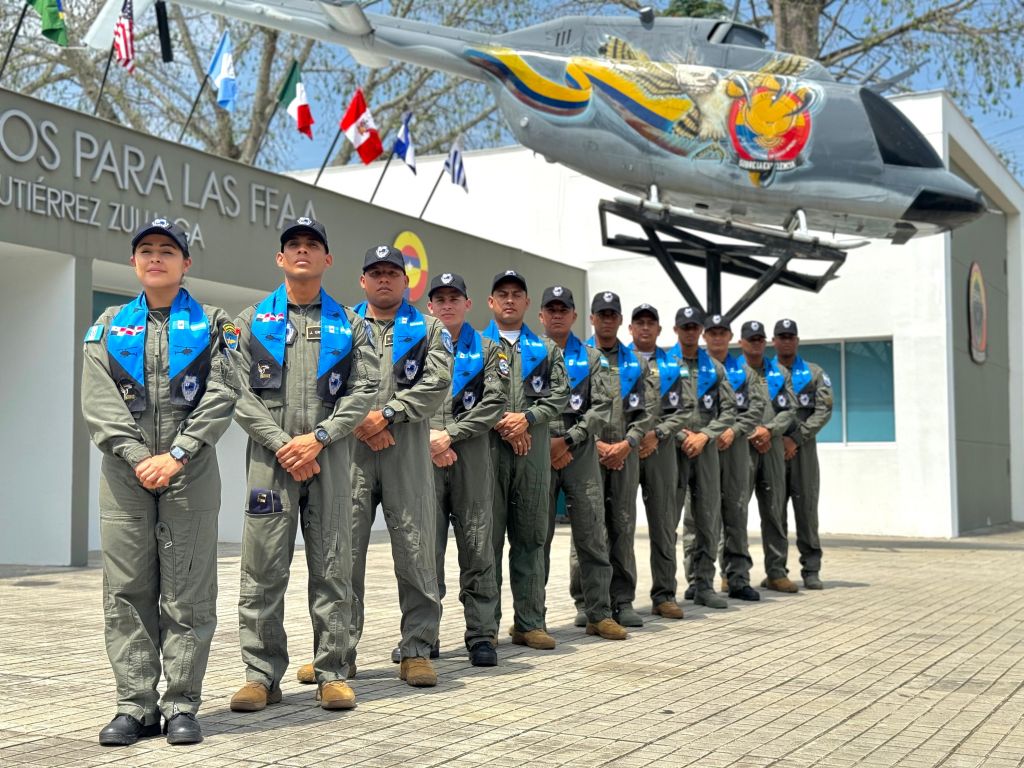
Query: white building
[923,442]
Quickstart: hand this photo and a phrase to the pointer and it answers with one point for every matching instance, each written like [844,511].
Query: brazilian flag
[52,16]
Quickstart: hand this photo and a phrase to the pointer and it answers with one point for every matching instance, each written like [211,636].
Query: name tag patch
[312,333]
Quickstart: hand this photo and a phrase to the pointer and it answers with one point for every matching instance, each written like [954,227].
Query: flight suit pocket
[165,553]
[265,501]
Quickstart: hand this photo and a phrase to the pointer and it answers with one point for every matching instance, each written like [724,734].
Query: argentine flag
[403,144]
[222,73]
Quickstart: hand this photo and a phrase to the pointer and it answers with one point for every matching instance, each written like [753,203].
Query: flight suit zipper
[157,370]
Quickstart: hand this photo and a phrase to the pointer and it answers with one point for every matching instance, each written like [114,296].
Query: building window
[103,299]
[862,385]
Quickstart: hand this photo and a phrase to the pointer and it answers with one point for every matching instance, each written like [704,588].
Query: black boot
[125,729]
[183,728]
[483,654]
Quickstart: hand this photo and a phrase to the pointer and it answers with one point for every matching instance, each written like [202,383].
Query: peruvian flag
[293,98]
[360,129]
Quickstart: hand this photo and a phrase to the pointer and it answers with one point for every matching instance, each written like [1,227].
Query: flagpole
[439,176]
[103,84]
[327,157]
[382,176]
[192,111]
[259,147]
[10,47]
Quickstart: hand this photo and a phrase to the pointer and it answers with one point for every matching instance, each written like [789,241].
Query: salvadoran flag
[403,144]
[222,73]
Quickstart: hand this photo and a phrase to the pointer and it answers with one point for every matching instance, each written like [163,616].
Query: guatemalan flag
[453,165]
[403,144]
[360,129]
[222,73]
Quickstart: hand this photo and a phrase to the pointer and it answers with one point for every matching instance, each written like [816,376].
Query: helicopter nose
[946,209]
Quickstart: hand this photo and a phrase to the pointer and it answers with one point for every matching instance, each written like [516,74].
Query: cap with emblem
[786,326]
[447,280]
[162,226]
[558,293]
[508,276]
[306,225]
[752,330]
[383,254]
[606,300]
[717,321]
[689,316]
[645,309]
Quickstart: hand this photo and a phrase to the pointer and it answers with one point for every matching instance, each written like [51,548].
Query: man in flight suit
[574,467]
[659,472]
[392,466]
[813,390]
[767,467]
[699,469]
[521,452]
[734,460]
[634,411]
[463,475]
[312,375]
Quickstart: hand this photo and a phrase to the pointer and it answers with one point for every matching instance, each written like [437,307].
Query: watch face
[388,413]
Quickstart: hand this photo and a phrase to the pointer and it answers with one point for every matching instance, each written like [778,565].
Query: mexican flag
[293,98]
[51,14]
[360,129]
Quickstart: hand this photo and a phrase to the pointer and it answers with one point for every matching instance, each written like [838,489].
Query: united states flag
[453,165]
[124,37]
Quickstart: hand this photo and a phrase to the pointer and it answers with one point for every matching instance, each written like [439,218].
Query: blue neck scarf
[409,343]
[670,382]
[535,369]
[707,376]
[188,333]
[772,374]
[468,374]
[801,374]
[630,371]
[578,368]
[269,333]
[735,369]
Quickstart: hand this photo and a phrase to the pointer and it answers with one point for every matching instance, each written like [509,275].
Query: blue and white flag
[222,73]
[403,144]
[453,165]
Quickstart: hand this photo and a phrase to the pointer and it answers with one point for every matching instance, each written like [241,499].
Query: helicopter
[695,117]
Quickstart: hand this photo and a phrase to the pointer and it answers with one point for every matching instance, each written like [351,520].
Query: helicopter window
[899,142]
[727,33]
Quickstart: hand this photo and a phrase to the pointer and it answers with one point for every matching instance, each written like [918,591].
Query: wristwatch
[389,414]
[179,454]
[631,440]
[322,436]
[658,433]
[568,439]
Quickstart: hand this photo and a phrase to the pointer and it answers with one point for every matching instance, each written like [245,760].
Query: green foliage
[697,8]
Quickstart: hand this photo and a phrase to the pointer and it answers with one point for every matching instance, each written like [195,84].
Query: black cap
[688,316]
[786,326]
[508,275]
[162,226]
[383,254]
[558,293]
[645,308]
[717,321]
[307,225]
[752,328]
[606,300]
[448,280]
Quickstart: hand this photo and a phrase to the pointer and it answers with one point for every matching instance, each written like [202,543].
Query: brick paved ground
[912,656]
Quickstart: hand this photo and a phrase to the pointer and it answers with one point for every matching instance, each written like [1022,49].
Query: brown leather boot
[670,609]
[336,695]
[725,585]
[418,672]
[609,629]
[253,697]
[535,638]
[781,584]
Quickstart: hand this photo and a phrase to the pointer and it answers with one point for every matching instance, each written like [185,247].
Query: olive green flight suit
[521,488]
[768,475]
[702,518]
[159,547]
[620,486]
[464,493]
[580,480]
[659,478]
[803,482]
[734,462]
[322,506]
[400,479]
